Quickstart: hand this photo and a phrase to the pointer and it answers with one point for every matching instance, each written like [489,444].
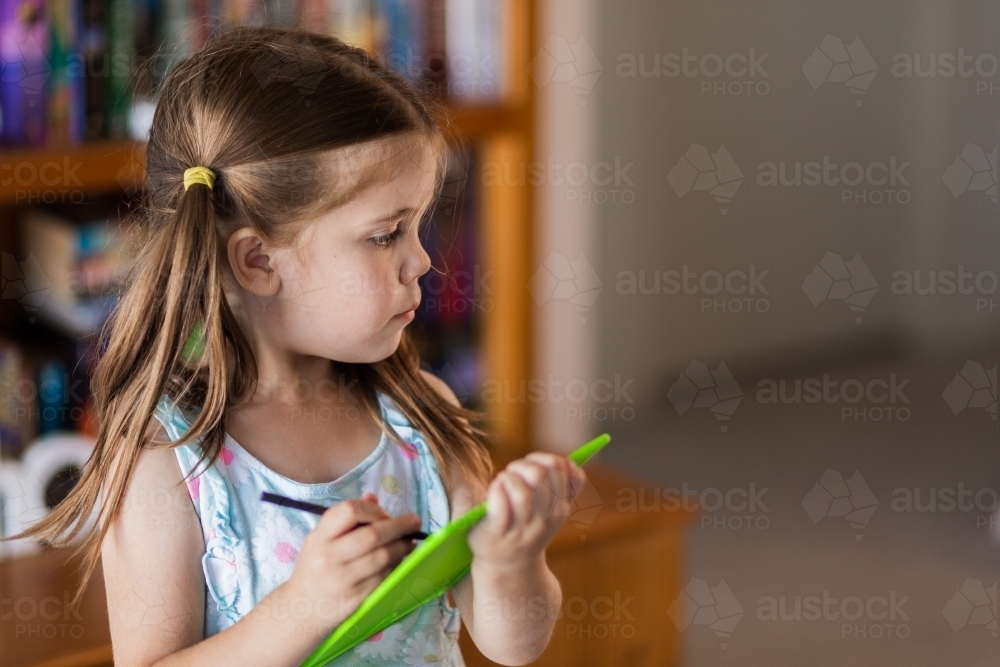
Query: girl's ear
[249,260]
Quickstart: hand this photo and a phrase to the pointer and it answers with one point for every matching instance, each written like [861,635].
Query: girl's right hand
[339,564]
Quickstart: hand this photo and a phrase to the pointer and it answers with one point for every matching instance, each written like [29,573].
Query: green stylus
[434,566]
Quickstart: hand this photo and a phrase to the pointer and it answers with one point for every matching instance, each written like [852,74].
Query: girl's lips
[408,315]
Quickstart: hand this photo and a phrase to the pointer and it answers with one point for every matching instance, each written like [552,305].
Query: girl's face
[350,287]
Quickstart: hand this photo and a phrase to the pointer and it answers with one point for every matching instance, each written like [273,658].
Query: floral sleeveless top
[251,546]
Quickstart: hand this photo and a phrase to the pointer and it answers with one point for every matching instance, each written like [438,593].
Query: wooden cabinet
[619,572]
[38,628]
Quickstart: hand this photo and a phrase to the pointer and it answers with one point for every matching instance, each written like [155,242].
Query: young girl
[261,345]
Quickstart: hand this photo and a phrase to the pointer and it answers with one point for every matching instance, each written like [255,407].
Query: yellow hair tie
[202,175]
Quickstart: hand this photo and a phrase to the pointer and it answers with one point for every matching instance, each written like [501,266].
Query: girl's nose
[417,263]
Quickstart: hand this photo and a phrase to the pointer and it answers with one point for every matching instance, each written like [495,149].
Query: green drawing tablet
[433,567]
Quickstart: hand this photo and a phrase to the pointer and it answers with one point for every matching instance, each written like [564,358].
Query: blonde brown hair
[292,123]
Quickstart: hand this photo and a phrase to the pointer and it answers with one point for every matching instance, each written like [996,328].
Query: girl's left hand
[527,504]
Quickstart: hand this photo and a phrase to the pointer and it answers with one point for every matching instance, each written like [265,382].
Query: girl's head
[343,289]
[325,163]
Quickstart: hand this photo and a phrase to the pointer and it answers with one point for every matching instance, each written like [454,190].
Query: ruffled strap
[228,574]
[432,499]
[435,511]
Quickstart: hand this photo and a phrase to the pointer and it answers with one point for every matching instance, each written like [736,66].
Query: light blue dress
[251,546]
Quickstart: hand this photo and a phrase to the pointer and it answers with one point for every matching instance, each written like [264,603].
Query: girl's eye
[388,239]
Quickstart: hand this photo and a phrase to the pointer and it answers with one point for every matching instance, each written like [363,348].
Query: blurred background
[757,243]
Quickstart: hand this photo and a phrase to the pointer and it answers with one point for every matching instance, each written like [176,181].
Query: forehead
[411,185]
[406,178]
[357,167]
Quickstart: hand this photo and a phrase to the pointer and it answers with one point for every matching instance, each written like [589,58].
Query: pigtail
[167,336]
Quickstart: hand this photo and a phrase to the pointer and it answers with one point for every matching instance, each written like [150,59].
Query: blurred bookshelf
[72,166]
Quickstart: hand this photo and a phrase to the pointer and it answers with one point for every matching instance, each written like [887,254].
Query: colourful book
[175,37]
[401,36]
[64,116]
[354,22]
[435,64]
[97,67]
[24,39]
[243,12]
[280,12]
[10,375]
[121,53]
[144,81]
[474,37]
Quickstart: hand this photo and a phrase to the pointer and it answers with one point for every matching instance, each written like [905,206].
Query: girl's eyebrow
[406,210]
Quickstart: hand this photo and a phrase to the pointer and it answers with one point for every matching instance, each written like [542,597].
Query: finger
[520,495]
[345,515]
[578,479]
[560,476]
[365,587]
[549,459]
[365,539]
[382,559]
[557,484]
[548,482]
[575,486]
[498,511]
[532,472]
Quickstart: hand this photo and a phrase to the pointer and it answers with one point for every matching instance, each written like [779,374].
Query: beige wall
[652,121]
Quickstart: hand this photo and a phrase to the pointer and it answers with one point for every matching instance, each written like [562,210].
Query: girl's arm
[151,558]
[152,554]
[509,610]
[510,603]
